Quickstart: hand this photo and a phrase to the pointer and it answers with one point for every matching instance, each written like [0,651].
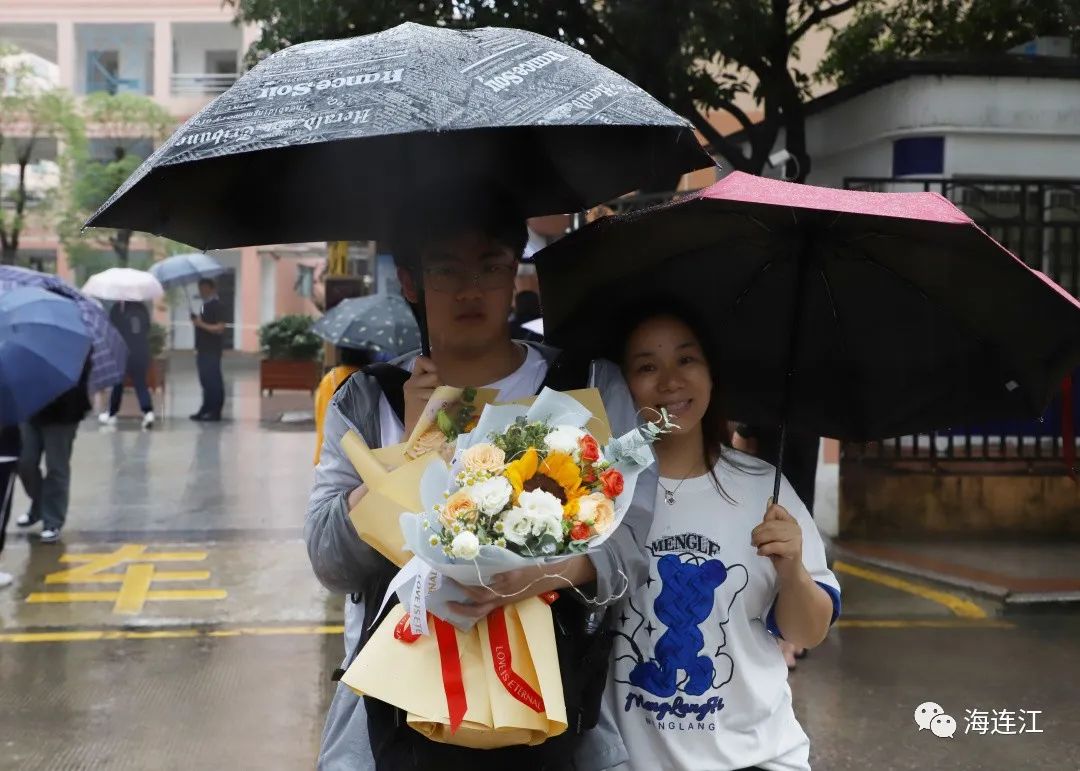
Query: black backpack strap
[391,380]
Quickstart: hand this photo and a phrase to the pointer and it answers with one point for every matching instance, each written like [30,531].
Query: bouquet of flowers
[528,485]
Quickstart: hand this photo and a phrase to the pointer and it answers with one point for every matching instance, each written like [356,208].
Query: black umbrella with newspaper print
[320,141]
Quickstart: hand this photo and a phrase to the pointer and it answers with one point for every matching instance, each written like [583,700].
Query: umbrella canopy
[381,322]
[183,269]
[43,348]
[320,140]
[124,285]
[108,352]
[850,314]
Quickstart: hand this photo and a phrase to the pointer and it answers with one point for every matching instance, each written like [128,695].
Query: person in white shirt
[697,679]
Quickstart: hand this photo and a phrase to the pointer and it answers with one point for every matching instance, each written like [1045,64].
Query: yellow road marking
[164,634]
[957,605]
[153,594]
[134,551]
[118,578]
[132,595]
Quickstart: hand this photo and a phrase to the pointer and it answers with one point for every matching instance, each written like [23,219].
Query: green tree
[883,32]
[124,126]
[33,116]
[696,56]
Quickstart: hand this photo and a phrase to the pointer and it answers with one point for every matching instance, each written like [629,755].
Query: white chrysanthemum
[565,439]
[538,513]
[492,495]
[465,545]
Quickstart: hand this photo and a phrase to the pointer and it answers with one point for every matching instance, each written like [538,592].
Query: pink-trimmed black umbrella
[849,314]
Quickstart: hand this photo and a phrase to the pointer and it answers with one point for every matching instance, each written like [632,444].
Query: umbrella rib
[842,337]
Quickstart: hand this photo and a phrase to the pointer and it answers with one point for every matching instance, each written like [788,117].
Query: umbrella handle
[794,341]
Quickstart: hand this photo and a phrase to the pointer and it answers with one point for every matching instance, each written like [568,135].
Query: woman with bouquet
[697,680]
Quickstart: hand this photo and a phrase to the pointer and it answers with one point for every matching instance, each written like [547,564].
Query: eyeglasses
[450,278]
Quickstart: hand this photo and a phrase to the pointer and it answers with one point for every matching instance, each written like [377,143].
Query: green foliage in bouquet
[520,436]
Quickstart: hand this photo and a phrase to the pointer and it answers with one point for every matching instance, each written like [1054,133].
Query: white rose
[465,545]
[538,513]
[491,495]
[565,439]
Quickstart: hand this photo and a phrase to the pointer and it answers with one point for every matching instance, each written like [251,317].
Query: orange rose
[459,507]
[590,450]
[579,532]
[596,511]
[613,483]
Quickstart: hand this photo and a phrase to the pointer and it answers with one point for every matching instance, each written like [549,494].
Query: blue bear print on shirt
[684,602]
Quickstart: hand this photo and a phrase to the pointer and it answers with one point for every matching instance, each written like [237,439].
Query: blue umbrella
[183,269]
[108,356]
[43,348]
[383,323]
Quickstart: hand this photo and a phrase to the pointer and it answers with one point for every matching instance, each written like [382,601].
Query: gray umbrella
[183,269]
[321,140]
[380,322]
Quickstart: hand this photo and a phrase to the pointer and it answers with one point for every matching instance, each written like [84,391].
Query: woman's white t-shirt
[698,680]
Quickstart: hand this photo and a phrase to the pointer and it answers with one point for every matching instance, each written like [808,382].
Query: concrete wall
[192,41]
[1025,127]
[890,503]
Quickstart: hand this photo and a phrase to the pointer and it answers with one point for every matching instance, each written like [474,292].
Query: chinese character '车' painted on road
[139,572]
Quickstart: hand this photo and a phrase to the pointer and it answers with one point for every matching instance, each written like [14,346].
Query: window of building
[221,62]
[914,156]
[102,71]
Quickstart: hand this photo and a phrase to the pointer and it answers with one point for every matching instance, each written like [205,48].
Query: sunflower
[557,474]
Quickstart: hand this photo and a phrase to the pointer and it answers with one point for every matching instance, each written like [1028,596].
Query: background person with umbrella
[44,371]
[210,329]
[129,290]
[197,268]
[108,353]
[380,324]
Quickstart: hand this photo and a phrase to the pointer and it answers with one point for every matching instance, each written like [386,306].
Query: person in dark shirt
[51,433]
[209,343]
[132,320]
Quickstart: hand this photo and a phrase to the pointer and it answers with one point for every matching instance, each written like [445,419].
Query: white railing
[201,83]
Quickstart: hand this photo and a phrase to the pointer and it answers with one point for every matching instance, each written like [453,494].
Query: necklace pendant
[669,496]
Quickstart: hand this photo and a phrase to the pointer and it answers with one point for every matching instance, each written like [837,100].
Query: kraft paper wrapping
[409,676]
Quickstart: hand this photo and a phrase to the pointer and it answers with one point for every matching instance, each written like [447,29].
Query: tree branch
[720,143]
[820,15]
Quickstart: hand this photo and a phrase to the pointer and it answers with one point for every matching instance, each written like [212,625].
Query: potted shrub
[290,355]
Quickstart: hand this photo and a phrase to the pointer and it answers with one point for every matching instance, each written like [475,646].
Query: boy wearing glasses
[459,255]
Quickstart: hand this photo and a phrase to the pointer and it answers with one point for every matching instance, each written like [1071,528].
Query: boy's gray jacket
[342,562]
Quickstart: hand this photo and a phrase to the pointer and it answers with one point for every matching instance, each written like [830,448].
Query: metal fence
[1038,220]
